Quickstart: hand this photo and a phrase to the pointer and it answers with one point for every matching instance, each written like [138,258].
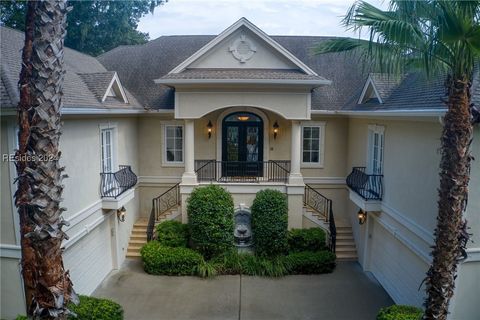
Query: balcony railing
[242,171]
[368,186]
[113,184]
[161,204]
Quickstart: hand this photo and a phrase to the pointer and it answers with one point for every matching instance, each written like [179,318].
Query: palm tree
[48,288]
[442,38]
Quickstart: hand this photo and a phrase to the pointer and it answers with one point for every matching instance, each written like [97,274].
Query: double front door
[242,145]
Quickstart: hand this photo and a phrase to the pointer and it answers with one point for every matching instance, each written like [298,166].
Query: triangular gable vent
[115,90]
[369,93]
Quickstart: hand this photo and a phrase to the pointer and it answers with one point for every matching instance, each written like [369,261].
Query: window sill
[173,164]
[311,165]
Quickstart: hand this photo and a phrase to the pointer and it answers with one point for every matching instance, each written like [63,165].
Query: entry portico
[241,84]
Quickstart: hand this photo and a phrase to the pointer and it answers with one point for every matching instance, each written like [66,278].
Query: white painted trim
[396,113]
[365,205]
[115,204]
[403,239]
[122,92]
[258,112]
[86,230]
[12,141]
[321,149]
[473,255]
[248,188]
[164,125]
[325,180]
[83,214]
[312,83]
[368,83]
[262,35]
[10,251]
[114,129]
[143,180]
[111,111]
[408,224]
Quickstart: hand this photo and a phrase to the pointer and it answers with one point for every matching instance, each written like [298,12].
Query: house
[247,111]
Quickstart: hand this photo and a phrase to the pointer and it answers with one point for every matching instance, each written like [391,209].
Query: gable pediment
[243,50]
[243,46]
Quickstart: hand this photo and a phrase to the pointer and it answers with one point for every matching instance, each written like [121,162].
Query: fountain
[243,230]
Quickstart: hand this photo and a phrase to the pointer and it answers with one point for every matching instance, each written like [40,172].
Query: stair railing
[161,204]
[323,206]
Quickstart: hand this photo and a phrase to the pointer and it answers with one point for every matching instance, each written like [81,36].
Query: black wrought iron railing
[113,184]
[242,171]
[368,186]
[323,207]
[160,205]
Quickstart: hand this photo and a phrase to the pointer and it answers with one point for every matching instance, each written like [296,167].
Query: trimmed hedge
[400,312]
[210,217]
[91,308]
[161,260]
[310,262]
[172,234]
[270,222]
[312,239]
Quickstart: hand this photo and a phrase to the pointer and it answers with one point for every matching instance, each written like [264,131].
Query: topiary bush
[312,239]
[310,262]
[270,222]
[91,308]
[172,234]
[210,218]
[400,312]
[161,260]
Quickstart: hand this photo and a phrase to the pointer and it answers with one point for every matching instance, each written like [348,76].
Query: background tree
[93,27]
[441,38]
[48,288]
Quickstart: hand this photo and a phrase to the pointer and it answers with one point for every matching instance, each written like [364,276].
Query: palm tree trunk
[450,234]
[47,286]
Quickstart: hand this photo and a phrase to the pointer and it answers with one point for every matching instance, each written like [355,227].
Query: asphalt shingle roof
[77,92]
[227,74]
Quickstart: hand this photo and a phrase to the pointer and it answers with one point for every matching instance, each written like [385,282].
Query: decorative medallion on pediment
[242,49]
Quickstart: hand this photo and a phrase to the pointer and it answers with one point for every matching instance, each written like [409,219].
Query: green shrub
[310,262]
[249,264]
[312,239]
[270,223]
[158,259]
[91,308]
[172,234]
[399,312]
[210,217]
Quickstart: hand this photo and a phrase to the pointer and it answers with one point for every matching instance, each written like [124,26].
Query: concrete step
[139,237]
[345,249]
[346,257]
[138,241]
[132,254]
[345,243]
[347,237]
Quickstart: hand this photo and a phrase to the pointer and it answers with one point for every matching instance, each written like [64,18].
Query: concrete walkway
[347,293]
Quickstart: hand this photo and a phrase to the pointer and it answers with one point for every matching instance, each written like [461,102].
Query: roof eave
[309,83]
[387,113]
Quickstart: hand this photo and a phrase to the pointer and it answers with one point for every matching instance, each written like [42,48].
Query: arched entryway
[242,144]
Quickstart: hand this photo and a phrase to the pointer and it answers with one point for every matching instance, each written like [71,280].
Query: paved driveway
[347,293]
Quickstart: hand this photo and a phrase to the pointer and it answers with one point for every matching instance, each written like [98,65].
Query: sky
[275,17]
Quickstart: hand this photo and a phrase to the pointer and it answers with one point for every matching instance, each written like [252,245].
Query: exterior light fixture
[121,214]
[275,129]
[243,118]
[362,216]
[209,129]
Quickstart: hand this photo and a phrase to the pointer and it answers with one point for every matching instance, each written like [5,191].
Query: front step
[138,237]
[345,245]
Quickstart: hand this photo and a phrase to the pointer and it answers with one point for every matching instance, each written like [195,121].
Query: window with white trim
[173,144]
[107,150]
[313,136]
[376,144]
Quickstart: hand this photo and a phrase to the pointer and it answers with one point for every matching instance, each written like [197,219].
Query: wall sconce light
[121,214]
[275,129]
[362,216]
[209,129]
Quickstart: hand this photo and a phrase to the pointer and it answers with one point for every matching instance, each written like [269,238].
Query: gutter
[387,113]
[243,81]
[96,111]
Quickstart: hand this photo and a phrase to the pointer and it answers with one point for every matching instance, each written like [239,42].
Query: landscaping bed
[205,247]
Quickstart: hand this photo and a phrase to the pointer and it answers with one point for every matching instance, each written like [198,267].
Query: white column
[296,177]
[189,176]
